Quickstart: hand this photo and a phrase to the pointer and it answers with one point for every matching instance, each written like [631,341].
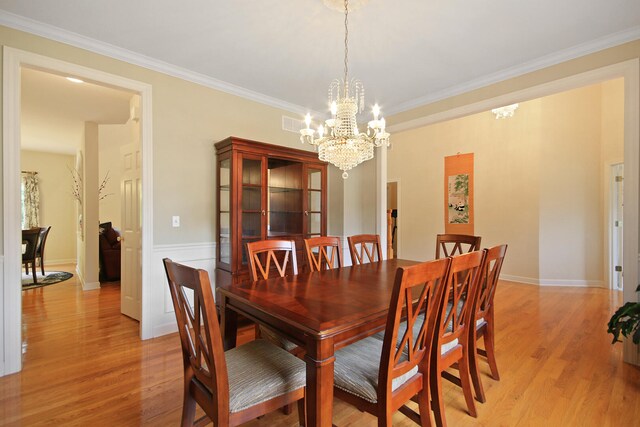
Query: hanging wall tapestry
[458,194]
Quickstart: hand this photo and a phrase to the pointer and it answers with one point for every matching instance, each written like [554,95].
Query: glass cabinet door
[284,201]
[313,213]
[252,210]
[224,211]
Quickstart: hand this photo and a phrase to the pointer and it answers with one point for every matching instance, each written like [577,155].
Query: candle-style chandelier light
[340,142]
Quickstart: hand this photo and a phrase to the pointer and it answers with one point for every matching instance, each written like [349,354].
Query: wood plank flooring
[85,366]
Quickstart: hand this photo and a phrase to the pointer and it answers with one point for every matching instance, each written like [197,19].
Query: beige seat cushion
[356,369]
[259,371]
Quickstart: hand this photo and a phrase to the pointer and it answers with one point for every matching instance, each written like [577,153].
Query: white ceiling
[285,52]
[54,110]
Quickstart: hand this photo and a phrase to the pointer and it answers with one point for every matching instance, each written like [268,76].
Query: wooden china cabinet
[265,191]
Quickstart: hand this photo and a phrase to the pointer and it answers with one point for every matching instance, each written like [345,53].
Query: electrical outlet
[175,221]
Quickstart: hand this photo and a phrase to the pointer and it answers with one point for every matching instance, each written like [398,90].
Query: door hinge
[618,268]
[619,178]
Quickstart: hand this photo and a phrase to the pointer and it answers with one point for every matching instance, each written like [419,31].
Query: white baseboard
[90,286]
[167,328]
[54,262]
[554,282]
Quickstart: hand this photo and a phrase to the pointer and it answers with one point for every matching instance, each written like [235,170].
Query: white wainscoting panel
[197,255]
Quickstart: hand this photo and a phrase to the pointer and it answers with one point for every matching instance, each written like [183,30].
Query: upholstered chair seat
[260,371]
[356,369]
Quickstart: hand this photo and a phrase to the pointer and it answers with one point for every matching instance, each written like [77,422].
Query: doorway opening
[14,62]
[392,205]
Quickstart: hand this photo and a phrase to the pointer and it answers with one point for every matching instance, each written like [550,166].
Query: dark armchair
[30,239]
[109,251]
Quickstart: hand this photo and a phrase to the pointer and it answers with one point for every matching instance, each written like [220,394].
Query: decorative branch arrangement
[102,186]
[76,186]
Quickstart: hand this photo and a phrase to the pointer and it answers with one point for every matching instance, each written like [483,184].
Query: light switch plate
[175,221]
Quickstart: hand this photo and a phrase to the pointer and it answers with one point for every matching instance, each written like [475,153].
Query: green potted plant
[626,321]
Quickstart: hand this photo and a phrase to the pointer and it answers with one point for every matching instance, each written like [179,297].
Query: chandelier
[340,142]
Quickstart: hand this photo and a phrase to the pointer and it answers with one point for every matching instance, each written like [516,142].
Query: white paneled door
[131,246]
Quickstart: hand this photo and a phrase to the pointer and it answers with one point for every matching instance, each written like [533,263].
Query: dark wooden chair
[452,331]
[231,387]
[30,239]
[364,244]
[323,253]
[263,255]
[44,233]
[380,376]
[483,323]
[456,244]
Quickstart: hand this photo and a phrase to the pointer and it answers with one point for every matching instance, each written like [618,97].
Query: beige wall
[56,202]
[538,182]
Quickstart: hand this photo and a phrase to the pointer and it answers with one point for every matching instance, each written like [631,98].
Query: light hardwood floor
[84,365]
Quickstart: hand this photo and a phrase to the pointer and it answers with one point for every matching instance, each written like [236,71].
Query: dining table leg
[228,325]
[320,360]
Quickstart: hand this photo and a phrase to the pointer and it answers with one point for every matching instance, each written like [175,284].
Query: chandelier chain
[346,42]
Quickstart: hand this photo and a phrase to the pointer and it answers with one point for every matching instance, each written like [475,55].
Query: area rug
[51,278]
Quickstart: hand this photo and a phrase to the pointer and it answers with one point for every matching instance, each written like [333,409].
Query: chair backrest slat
[323,253]
[364,248]
[44,233]
[456,244]
[264,254]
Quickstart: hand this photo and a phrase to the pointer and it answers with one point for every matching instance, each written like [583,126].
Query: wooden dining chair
[380,376]
[323,253]
[44,232]
[362,245]
[456,244]
[30,240]
[263,255]
[483,323]
[235,386]
[452,331]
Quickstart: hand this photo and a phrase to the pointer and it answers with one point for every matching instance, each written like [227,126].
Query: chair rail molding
[197,255]
[13,61]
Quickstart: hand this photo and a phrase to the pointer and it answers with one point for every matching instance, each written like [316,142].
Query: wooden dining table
[321,312]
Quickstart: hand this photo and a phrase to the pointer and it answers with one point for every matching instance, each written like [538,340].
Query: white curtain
[30,200]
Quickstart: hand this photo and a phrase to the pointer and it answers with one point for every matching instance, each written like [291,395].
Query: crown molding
[555,58]
[38,28]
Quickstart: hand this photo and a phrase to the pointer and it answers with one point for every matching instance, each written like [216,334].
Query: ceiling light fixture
[75,80]
[344,146]
[505,112]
